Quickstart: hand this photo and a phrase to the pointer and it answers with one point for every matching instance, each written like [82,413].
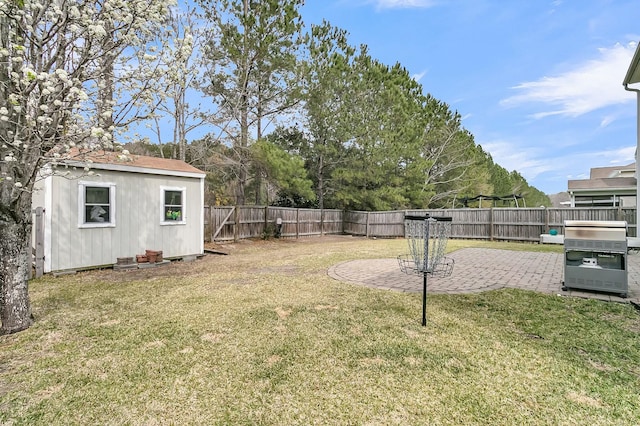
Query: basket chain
[437,234]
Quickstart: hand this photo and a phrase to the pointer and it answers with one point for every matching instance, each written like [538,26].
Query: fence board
[332,222]
[219,223]
[355,222]
[260,221]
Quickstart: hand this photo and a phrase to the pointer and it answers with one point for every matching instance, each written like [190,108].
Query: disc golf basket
[427,237]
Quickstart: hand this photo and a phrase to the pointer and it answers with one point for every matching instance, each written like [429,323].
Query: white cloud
[622,156]
[531,162]
[419,76]
[582,162]
[590,85]
[607,120]
[554,5]
[513,156]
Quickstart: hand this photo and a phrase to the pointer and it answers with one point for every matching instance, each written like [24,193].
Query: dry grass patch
[264,336]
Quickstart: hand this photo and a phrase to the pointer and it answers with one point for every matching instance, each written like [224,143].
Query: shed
[126,205]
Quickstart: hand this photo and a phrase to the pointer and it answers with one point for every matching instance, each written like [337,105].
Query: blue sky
[537,82]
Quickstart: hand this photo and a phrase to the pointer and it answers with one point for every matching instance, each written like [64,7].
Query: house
[606,187]
[630,83]
[119,207]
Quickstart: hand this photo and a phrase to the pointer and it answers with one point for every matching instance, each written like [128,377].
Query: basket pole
[424,272]
[417,227]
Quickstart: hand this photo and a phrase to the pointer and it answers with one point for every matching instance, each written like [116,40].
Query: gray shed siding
[138,220]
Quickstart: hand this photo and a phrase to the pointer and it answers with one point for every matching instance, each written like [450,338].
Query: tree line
[300,117]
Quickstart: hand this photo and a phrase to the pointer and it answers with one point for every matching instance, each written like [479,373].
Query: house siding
[138,207]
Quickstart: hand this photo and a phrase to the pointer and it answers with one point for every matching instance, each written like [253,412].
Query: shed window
[96,204]
[173,202]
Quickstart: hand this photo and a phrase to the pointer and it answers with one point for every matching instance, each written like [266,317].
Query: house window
[173,202]
[96,204]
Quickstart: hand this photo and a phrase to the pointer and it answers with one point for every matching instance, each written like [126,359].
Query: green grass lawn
[264,336]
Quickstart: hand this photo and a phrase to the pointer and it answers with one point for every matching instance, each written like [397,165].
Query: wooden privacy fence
[505,224]
[522,224]
[240,222]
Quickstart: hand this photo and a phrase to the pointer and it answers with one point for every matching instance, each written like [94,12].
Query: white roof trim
[633,73]
[134,169]
[600,191]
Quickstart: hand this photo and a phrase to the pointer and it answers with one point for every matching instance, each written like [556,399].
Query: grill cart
[595,254]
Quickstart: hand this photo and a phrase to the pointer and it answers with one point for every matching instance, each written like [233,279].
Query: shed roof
[111,160]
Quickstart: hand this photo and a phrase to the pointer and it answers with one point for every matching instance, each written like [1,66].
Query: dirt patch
[283,313]
[281,270]
[273,359]
[369,362]
[175,268]
[218,255]
[584,399]
[212,337]
[325,307]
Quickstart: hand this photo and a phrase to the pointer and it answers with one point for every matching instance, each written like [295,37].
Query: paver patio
[480,269]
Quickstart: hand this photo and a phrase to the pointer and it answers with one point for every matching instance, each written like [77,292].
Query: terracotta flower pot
[141,258]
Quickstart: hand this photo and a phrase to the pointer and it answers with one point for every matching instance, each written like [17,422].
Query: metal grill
[596,256]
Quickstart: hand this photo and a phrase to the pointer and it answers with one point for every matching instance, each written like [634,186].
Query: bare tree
[180,80]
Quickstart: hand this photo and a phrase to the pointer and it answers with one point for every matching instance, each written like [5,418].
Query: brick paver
[480,269]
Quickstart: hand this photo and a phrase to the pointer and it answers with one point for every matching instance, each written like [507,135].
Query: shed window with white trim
[173,202]
[96,204]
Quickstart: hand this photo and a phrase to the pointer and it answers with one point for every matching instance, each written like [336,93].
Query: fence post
[404,230]
[491,224]
[366,229]
[207,222]
[236,219]
[212,218]
[546,220]
[321,222]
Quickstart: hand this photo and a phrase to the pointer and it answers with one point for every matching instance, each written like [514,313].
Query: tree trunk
[244,119]
[15,212]
[15,252]
[258,184]
[321,182]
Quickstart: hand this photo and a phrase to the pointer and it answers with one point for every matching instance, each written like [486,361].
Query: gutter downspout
[627,88]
